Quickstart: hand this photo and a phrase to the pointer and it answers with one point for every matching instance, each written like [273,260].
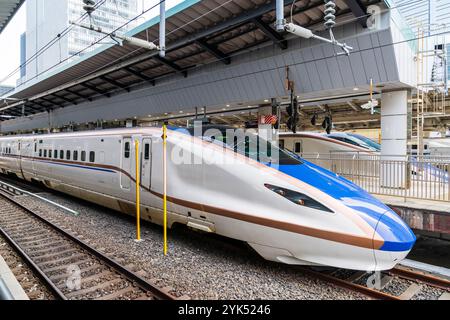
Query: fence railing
[423,177]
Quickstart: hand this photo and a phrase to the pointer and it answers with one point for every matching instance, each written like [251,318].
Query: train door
[146,162]
[34,155]
[297,147]
[125,181]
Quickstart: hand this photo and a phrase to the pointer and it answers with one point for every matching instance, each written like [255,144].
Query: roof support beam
[140,75]
[30,106]
[92,88]
[359,11]
[172,65]
[65,99]
[43,106]
[115,83]
[212,49]
[354,106]
[78,95]
[276,37]
[49,101]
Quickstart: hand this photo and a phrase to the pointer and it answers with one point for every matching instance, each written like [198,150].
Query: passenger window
[68,155]
[281,144]
[35,147]
[298,147]
[50,153]
[92,156]
[127,150]
[61,154]
[40,152]
[83,155]
[146,151]
[45,153]
[75,155]
[55,154]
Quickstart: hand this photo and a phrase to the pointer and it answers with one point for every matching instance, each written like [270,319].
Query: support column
[395,129]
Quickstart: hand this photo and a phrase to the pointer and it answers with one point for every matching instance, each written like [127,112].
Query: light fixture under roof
[266,100]
[228,105]
[355,89]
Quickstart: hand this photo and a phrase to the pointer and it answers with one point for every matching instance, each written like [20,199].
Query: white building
[432,17]
[48,18]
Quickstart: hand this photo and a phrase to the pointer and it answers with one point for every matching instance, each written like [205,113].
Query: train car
[316,143]
[287,209]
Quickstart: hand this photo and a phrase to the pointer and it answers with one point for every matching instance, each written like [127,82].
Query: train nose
[397,240]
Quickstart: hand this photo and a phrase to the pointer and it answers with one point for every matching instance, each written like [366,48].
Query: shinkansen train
[287,209]
[338,143]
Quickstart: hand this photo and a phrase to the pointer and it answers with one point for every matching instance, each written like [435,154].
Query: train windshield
[247,144]
[376,146]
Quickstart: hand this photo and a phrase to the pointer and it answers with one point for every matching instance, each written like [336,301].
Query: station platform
[10,288]
[424,215]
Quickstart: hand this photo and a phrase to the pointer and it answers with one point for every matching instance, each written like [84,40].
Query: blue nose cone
[396,234]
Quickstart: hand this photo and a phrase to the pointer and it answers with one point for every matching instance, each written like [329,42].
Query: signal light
[327,124]
[293,116]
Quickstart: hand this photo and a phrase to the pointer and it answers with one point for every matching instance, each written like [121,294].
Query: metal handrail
[407,177]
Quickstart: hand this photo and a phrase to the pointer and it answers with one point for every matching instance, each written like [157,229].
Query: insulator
[89,6]
[330,11]
[89,9]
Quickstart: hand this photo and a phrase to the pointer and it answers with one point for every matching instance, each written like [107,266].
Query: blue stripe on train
[78,166]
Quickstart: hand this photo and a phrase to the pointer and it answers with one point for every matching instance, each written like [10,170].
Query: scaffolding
[432,86]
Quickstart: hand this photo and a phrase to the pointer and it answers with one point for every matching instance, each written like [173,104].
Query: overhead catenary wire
[276,68]
[199,65]
[48,45]
[140,15]
[94,43]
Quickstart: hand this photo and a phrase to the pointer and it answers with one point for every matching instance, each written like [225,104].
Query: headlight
[297,198]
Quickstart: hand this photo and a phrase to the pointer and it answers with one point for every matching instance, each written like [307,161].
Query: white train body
[338,224]
[306,143]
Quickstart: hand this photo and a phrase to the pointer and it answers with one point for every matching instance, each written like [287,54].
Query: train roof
[114,131]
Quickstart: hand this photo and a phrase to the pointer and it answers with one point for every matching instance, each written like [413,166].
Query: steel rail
[372,293]
[128,274]
[422,277]
[38,271]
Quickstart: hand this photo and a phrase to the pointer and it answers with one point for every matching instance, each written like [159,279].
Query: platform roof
[8,9]
[198,32]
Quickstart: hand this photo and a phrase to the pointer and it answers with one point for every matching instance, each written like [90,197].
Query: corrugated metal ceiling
[207,31]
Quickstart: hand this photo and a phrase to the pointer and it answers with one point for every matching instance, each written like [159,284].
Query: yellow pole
[165,186]
[138,198]
[371,89]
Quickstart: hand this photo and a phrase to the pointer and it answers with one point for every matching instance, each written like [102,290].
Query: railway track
[396,284]
[70,268]
[413,281]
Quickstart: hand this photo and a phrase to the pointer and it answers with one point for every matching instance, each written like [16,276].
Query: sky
[10,37]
